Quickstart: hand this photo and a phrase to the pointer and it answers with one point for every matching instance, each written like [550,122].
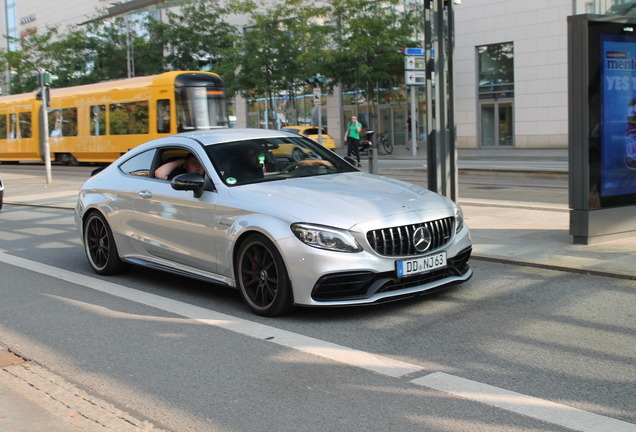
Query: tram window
[63,122]
[163,116]
[139,165]
[12,125]
[3,126]
[98,120]
[25,124]
[129,118]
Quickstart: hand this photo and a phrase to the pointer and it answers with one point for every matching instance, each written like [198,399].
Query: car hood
[341,200]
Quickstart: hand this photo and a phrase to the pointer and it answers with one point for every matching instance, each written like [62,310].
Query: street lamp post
[46,79]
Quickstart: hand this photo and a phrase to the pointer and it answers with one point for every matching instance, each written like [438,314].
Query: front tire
[100,247]
[388,147]
[262,277]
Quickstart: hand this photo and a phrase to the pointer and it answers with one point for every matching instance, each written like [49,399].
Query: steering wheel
[294,166]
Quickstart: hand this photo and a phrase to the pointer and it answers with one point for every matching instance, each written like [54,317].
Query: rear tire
[262,277]
[100,247]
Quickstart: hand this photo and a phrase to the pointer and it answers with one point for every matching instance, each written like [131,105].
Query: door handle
[145,194]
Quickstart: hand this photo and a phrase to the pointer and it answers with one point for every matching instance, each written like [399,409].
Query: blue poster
[618,115]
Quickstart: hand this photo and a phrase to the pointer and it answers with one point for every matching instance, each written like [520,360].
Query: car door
[174,225]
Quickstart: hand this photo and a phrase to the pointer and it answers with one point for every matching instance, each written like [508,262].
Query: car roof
[221,135]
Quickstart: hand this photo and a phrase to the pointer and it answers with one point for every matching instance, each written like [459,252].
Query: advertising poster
[618,115]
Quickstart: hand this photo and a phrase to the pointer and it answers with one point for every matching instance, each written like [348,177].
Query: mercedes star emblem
[421,239]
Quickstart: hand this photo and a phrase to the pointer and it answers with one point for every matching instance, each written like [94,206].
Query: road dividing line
[540,409]
[338,353]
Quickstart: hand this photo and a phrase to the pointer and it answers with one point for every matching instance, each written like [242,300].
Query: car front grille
[398,241]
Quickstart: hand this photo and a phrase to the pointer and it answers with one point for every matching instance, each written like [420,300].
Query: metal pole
[319,116]
[452,127]
[44,133]
[431,143]
[413,121]
[129,60]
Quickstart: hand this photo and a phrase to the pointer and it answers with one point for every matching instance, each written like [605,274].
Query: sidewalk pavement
[535,234]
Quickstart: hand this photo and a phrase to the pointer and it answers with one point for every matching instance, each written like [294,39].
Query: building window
[496,90]
[496,71]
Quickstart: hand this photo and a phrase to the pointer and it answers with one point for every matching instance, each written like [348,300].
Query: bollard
[373,160]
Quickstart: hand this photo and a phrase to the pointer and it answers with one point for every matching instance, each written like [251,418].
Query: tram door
[496,123]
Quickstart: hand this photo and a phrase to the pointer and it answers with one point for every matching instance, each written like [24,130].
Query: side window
[3,126]
[25,124]
[311,131]
[13,125]
[139,165]
[163,116]
[167,169]
[63,122]
[129,118]
[98,120]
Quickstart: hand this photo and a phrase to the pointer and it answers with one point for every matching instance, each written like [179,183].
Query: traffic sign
[415,77]
[317,98]
[414,51]
[415,63]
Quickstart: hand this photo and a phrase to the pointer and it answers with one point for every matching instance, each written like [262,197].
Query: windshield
[273,159]
[200,108]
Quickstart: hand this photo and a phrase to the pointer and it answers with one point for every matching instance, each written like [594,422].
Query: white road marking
[547,411]
[27,198]
[352,357]
[540,409]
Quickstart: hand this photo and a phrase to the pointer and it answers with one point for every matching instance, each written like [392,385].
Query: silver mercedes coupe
[279,217]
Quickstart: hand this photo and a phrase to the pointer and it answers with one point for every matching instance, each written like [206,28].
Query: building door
[496,123]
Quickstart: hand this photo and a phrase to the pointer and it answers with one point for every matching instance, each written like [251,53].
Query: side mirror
[189,181]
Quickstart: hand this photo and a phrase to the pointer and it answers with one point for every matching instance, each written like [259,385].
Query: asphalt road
[188,356]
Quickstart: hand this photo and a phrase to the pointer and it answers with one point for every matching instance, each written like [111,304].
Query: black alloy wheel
[262,277]
[100,247]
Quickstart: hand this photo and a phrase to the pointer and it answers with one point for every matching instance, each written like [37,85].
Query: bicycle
[386,144]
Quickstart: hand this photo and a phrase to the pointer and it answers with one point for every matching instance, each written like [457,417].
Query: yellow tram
[100,122]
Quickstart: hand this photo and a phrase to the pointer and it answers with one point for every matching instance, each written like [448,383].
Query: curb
[553,267]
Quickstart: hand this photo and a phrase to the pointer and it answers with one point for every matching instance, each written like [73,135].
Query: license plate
[420,265]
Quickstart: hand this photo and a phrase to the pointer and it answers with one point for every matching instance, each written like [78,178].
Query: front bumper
[367,285]
[324,278]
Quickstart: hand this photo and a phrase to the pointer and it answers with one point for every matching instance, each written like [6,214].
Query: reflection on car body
[315,232]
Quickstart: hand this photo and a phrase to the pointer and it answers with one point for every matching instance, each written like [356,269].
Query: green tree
[282,46]
[32,54]
[197,38]
[368,37]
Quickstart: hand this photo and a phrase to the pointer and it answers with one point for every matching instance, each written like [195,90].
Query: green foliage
[198,37]
[368,36]
[34,52]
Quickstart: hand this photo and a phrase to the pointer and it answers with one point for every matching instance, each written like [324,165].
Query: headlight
[459,218]
[324,237]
